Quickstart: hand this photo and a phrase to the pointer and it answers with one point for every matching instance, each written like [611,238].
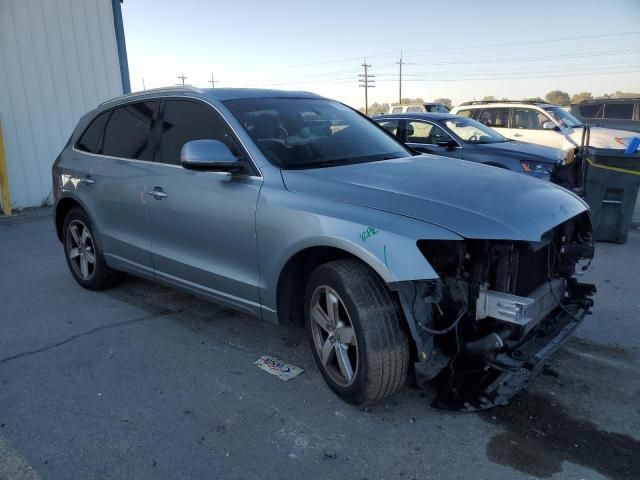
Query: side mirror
[209,155]
[548,126]
[447,143]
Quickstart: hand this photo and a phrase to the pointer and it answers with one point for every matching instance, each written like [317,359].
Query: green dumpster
[610,184]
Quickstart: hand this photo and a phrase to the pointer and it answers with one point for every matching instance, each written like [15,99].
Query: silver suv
[295,208]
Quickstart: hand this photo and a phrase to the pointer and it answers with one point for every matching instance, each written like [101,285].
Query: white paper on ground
[277,367]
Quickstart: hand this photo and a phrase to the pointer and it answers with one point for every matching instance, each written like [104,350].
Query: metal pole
[4,179]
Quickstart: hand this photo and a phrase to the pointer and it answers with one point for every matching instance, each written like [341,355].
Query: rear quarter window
[464,113]
[91,140]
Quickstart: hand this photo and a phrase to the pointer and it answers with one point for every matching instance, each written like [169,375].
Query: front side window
[91,139]
[474,132]
[563,117]
[528,119]
[426,133]
[622,111]
[310,132]
[128,132]
[183,121]
[495,117]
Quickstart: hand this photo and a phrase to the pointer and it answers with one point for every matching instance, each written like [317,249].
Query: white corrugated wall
[58,59]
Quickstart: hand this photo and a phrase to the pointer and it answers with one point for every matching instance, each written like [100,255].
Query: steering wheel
[472,138]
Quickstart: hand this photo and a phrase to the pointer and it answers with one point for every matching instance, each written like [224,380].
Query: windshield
[563,117]
[473,132]
[309,133]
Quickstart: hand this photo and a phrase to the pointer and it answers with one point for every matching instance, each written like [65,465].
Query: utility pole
[144,87]
[367,81]
[399,63]
[182,77]
[212,81]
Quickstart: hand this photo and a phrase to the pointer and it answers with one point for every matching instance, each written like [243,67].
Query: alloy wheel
[333,336]
[81,250]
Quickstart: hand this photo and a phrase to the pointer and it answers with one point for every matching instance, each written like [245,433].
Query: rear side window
[390,126]
[128,133]
[464,113]
[618,110]
[495,117]
[91,139]
[396,110]
[184,121]
[593,110]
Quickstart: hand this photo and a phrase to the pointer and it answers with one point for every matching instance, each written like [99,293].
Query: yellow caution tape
[615,169]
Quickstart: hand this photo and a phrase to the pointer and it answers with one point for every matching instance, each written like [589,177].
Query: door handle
[517,135]
[88,180]
[157,193]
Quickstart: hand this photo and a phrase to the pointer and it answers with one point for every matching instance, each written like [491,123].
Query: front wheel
[357,332]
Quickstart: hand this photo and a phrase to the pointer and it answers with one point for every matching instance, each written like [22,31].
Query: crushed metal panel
[273,365]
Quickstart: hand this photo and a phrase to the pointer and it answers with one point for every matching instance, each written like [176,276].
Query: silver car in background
[296,208]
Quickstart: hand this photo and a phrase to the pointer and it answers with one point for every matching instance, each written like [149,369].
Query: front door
[527,127]
[203,223]
[427,137]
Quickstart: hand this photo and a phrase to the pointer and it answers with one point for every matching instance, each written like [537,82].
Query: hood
[602,137]
[540,153]
[472,200]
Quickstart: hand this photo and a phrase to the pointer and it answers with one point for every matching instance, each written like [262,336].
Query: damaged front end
[498,310]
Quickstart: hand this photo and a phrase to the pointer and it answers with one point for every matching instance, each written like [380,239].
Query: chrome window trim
[175,97]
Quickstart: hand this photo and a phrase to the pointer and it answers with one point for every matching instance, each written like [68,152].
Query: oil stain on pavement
[538,435]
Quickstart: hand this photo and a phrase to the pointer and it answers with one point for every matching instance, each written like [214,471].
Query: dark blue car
[460,137]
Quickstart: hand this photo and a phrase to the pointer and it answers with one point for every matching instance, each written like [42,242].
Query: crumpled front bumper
[510,372]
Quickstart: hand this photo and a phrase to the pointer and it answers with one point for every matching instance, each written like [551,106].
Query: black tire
[381,338]
[100,276]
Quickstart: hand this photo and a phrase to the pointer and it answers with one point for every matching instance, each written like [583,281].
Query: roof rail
[487,102]
[177,88]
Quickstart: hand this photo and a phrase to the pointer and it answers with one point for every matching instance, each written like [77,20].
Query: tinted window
[528,119]
[390,126]
[311,133]
[591,110]
[495,117]
[422,132]
[91,139]
[128,133]
[619,110]
[184,121]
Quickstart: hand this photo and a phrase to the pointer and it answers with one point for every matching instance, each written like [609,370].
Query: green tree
[534,99]
[407,101]
[444,101]
[489,98]
[376,108]
[558,97]
[581,97]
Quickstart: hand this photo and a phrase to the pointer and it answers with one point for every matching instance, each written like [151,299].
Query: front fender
[384,241]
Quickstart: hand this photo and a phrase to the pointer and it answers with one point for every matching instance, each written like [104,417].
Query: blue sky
[456,49]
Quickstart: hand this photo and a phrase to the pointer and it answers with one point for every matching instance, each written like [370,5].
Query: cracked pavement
[145,382]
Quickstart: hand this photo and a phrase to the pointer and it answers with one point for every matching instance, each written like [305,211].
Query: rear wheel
[83,256]
[356,331]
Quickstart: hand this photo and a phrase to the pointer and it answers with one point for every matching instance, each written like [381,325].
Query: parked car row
[458,137]
[295,208]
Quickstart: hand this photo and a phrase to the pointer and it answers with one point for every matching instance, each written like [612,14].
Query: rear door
[424,136]
[112,184]
[496,118]
[527,127]
[203,223]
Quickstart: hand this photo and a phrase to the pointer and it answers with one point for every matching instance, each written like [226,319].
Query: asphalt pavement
[143,382]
